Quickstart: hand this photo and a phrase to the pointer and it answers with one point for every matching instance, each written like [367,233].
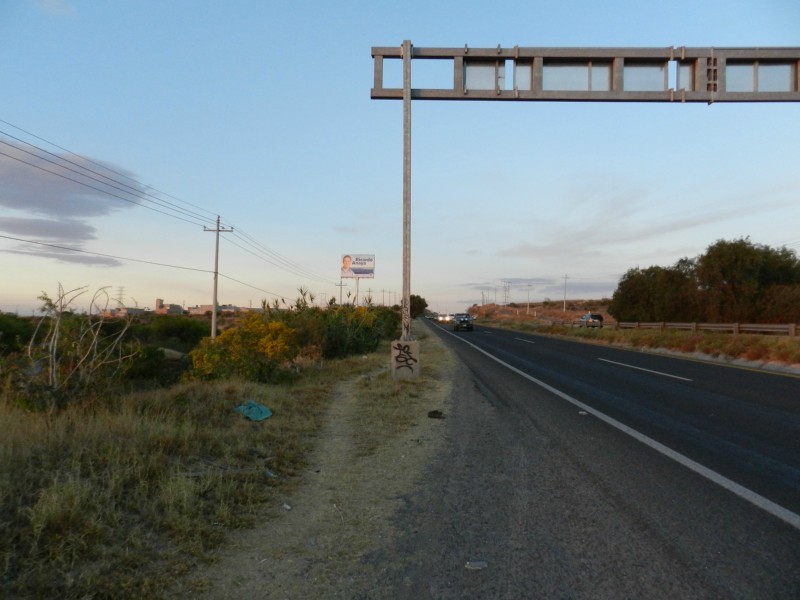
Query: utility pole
[340,285]
[565,292]
[528,307]
[405,307]
[217,230]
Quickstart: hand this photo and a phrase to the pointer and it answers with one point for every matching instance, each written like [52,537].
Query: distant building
[202,309]
[130,311]
[167,309]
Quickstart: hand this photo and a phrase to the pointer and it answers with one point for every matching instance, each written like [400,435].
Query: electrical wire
[272,257]
[137,260]
[121,187]
[95,188]
[259,250]
[89,160]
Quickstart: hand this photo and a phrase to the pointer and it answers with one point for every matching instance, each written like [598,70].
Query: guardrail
[789,329]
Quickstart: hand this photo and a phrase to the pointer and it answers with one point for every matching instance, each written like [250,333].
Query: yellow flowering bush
[254,350]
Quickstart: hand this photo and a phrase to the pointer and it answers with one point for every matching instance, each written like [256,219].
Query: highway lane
[741,424]
[539,492]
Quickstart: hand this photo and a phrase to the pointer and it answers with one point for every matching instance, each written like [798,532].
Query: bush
[255,350]
[171,331]
[71,356]
[15,332]
[152,365]
[340,331]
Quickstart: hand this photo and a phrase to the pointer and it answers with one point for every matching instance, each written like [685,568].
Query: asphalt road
[581,471]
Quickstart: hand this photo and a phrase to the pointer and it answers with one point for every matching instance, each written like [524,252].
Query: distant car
[462,321]
[591,320]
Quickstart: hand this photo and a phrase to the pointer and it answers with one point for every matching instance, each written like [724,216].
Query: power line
[138,260]
[102,166]
[95,188]
[120,187]
[284,263]
[261,251]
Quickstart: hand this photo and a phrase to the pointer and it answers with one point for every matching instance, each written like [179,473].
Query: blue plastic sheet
[254,411]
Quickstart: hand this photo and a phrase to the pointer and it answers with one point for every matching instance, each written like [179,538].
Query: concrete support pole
[406,305]
[405,351]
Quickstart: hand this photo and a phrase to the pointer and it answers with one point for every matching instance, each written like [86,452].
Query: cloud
[65,256]
[597,236]
[54,197]
[64,185]
[55,7]
[63,231]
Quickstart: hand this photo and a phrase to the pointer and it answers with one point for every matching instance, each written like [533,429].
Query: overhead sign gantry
[672,74]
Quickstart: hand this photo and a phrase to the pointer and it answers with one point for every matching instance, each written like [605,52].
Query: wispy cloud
[603,229]
[65,256]
[63,231]
[55,7]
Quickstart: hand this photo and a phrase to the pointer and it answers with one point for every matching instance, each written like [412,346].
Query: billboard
[358,266]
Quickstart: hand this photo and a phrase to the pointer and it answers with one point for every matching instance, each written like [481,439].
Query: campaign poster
[358,266]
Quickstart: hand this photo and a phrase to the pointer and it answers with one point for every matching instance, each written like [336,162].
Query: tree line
[734,281]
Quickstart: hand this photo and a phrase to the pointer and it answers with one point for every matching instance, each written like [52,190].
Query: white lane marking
[613,362]
[776,510]
[526,341]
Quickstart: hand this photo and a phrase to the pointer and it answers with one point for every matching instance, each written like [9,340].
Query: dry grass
[372,450]
[116,499]
[386,407]
[120,498]
[776,350]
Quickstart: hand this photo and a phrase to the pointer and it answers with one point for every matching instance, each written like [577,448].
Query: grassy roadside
[118,499]
[765,349]
[319,540]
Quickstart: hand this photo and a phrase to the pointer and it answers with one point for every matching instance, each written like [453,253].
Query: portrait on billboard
[347,266]
[358,266]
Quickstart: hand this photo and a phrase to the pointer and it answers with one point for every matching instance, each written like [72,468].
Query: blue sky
[260,112]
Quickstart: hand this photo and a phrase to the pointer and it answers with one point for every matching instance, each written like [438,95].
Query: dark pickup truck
[462,321]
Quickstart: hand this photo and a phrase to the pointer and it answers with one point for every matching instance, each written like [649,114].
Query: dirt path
[314,544]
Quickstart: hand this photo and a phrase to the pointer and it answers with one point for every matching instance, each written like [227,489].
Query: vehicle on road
[591,320]
[462,321]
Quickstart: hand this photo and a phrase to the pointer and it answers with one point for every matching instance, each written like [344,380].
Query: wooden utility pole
[340,285]
[217,230]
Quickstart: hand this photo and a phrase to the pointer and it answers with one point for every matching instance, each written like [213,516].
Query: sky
[127,127]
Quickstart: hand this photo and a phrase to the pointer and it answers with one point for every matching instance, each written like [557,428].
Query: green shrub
[171,331]
[15,333]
